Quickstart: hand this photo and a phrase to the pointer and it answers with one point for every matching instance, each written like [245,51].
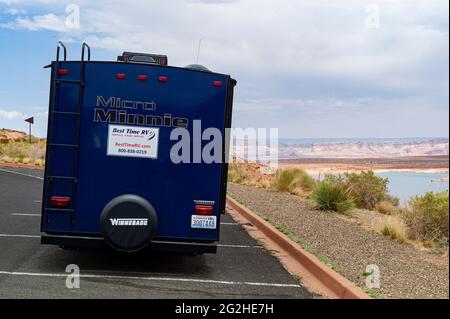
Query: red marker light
[204,210]
[142,77]
[59,201]
[120,76]
[163,79]
[63,72]
[217,83]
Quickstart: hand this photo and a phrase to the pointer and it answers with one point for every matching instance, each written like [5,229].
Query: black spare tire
[128,223]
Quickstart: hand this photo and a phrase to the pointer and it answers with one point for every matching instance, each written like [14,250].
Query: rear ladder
[56,85]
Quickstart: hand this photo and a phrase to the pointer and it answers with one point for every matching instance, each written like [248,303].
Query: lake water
[406,184]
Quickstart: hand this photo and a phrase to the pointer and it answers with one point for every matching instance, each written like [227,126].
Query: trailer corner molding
[118,113]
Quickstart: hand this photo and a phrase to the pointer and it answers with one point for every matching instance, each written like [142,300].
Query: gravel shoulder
[405,271]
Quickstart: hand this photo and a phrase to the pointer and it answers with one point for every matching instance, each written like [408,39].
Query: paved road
[240,269]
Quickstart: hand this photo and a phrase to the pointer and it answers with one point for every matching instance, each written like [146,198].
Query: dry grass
[295,181]
[20,152]
[249,174]
[386,208]
[394,228]
[236,173]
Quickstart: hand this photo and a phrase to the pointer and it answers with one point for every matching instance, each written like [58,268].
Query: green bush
[427,217]
[331,195]
[294,180]
[367,189]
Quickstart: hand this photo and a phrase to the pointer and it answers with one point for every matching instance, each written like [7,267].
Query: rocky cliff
[432,147]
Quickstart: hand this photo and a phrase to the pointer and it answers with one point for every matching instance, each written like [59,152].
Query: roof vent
[134,57]
[197,67]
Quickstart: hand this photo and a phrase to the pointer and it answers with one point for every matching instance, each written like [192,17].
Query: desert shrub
[35,151]
[331,195]
[427,217]
[386,207]
[14,149]
[236,173]
[22,150]
[284,178]
[395,201]
[394,228]
[295,181]
[367,189]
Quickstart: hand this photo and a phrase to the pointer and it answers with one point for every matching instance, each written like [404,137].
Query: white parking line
[205,281]
[19,236]
[239,246]
[20,214]
[37,201]
[18,173]
[218,245]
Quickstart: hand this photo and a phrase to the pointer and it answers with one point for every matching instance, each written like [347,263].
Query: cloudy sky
[312,68]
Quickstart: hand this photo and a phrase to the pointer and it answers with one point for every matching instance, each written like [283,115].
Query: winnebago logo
[117,110]
[129,221]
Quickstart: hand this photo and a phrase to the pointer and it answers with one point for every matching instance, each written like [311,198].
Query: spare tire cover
[128,222]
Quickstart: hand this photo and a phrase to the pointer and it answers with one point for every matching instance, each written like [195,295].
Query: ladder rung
[63,145]
[61,177]
[65,113]
[60,209]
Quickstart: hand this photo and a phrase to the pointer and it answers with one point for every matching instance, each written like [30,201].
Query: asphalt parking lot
[240,269]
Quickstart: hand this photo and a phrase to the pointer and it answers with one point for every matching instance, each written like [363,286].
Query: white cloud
[291,37]
[41,22]
[288,56]
[10,115]
[14,11]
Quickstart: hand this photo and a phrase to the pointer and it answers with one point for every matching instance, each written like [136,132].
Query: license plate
[204,222]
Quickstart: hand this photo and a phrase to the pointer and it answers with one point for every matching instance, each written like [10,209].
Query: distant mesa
[354,149]
[369,149]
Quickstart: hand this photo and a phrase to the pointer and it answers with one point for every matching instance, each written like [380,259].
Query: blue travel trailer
[110,180]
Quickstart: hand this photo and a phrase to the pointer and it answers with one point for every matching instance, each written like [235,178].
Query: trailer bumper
[156,245]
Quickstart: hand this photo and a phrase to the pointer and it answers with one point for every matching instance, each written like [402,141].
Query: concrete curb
[335,283]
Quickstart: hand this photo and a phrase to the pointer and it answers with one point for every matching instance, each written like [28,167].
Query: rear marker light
[204,210]
[59,201]
[217,83]
[63,72]
[142,77]
[120,76]
[163,79]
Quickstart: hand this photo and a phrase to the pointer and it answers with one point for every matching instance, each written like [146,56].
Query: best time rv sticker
[133,141]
